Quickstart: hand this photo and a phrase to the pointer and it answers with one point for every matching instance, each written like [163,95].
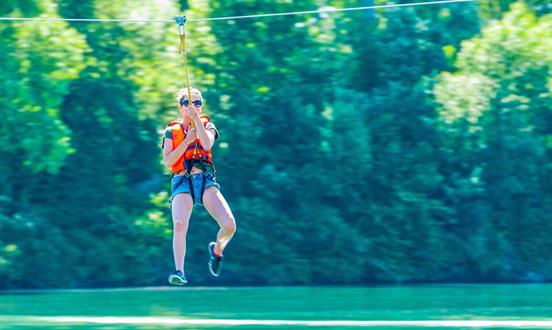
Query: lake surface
[395,307]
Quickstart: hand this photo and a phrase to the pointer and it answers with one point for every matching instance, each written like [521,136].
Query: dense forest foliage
[394,145]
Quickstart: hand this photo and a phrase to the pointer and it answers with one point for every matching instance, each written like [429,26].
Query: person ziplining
[187,144]
[188,140]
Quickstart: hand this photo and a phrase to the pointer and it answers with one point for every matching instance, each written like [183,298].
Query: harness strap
[191,184]
[188,164]
[204,168]
[202,190]
[188,177]
[204,178]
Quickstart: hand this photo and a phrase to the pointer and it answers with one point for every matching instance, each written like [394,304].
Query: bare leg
[218,208]
[181,211]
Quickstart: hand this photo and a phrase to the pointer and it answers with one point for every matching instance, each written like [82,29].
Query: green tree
[38,64]
[495,110]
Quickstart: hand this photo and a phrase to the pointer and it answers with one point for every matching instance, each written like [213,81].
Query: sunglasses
[196,103]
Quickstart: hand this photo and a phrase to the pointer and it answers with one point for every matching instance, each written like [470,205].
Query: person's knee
[230,225]
[180,225]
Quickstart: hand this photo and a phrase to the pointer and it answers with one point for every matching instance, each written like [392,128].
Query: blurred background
[405,145]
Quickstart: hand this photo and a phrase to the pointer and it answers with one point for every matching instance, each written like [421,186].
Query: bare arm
[170,155]
[206,137]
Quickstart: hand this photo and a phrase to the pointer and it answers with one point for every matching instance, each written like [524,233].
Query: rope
[181,21]
[318,11]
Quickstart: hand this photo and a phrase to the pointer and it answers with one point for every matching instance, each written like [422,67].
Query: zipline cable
[330,10]
[318,11]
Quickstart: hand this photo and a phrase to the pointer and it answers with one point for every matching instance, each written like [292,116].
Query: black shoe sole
[211,269]
[211,260]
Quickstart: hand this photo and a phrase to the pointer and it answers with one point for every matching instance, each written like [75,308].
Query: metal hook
[181,21]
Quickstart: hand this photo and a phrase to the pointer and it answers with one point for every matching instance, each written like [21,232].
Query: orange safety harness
[194,153]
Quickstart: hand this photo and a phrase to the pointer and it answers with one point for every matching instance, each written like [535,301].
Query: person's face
[197,103]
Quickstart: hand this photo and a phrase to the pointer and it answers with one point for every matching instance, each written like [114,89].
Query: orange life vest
[195,153]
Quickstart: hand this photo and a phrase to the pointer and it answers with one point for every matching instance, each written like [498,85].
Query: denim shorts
[182,185]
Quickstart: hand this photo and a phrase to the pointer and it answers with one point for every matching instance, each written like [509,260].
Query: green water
[171,307]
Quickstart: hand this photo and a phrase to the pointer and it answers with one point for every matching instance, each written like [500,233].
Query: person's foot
[177,278]
[215,261]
